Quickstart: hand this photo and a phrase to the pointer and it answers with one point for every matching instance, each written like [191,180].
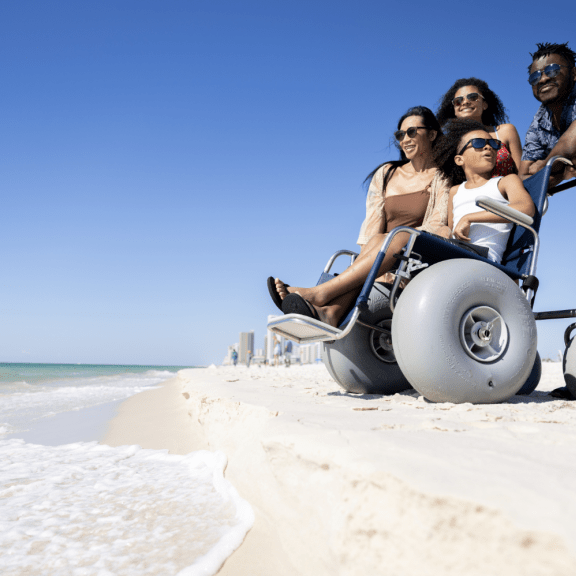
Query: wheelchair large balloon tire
[569,367]
[533,380]
[464,332]
[363,361]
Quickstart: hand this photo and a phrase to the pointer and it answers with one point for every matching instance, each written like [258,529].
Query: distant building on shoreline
[246,343]
[305,353]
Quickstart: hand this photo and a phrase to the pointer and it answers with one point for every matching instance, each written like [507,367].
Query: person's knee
[376,241]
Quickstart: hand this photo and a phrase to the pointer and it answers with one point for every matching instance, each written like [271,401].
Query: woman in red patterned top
[472,98]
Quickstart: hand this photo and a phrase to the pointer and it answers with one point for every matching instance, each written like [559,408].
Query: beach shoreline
[140,510]
[82,425]
[342,484]
[158,419]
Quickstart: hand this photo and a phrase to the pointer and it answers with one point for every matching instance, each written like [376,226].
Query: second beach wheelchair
[462,330]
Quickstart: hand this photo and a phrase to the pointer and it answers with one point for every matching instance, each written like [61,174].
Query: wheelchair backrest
[518,254]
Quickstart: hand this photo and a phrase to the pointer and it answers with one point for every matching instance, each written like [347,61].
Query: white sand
[348,485]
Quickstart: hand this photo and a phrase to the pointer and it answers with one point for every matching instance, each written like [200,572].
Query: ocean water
[32,394]
[83,508]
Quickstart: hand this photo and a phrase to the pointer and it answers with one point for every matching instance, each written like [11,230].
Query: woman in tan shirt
[408,192]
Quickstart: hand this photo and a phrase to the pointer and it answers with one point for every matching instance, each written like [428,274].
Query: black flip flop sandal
[295,304]
[274,293]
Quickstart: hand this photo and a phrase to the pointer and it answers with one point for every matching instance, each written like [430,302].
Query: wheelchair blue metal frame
[353,256]
[519,261]
[520,258]
[362,301]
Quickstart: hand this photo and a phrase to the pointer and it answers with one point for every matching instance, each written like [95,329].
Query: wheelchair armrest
[353,256]
[504,211]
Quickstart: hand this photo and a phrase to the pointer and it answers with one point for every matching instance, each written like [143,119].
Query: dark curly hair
[494,115]
[546,49]
[449,145]
[430,122]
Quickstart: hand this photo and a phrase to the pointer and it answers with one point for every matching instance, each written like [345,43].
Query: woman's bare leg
[353,277]
[334,311]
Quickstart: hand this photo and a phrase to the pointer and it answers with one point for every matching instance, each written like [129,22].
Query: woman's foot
[271,283]
[282,288]
[294,303]
[312,295]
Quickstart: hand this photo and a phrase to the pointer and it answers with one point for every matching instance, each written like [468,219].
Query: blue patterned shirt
[542,135]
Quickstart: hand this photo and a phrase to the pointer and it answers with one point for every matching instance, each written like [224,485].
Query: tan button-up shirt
[435,218]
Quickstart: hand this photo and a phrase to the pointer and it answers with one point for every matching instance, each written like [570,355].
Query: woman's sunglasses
[412,131]
[552,70]
[479,143]
[473,97]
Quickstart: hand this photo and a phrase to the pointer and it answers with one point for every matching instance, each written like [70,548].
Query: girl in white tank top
[475,152]
[492,236]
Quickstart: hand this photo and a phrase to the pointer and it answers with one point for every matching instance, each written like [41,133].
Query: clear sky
[161,158]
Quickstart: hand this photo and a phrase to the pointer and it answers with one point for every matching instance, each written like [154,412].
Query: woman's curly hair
[449,146]
[494,115]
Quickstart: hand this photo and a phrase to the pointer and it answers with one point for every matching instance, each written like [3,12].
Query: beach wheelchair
[462,329]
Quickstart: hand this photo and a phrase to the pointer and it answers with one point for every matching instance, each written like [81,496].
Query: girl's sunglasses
[552,70]
[479,143]
[412,131]
[473,97]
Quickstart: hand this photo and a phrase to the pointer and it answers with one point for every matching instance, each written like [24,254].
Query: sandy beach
[350,485]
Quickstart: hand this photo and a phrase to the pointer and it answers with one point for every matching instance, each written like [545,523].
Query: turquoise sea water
[35,373]
[32,395]
[73,506]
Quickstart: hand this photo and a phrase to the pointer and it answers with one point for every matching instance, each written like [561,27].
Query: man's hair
[561,49]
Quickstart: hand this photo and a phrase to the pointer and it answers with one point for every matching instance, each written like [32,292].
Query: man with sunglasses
[552,76]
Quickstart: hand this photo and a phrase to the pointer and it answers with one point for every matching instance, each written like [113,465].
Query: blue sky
[160,159]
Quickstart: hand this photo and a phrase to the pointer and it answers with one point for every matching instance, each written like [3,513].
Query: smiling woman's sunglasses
[473,97]
[412,131]
[479,143]
[552,70]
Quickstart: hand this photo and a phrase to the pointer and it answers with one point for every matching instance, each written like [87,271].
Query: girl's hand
[462,229]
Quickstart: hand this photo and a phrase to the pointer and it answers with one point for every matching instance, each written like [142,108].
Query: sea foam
[23,404]
[90,509]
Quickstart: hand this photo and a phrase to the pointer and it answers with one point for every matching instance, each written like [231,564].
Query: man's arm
[524,170]
[566,147]
[534,148]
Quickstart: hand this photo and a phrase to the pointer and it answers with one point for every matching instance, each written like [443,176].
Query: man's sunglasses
[412,131]
[479,143]
[473,97]
[552,70]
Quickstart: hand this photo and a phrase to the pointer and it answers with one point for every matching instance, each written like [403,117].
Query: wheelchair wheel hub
[483,334]
[381,342]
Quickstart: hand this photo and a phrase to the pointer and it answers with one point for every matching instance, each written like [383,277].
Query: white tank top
[492,236]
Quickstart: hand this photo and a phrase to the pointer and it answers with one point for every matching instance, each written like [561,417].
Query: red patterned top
[504,163]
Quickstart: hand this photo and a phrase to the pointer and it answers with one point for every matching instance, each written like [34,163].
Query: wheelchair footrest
[303,328]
